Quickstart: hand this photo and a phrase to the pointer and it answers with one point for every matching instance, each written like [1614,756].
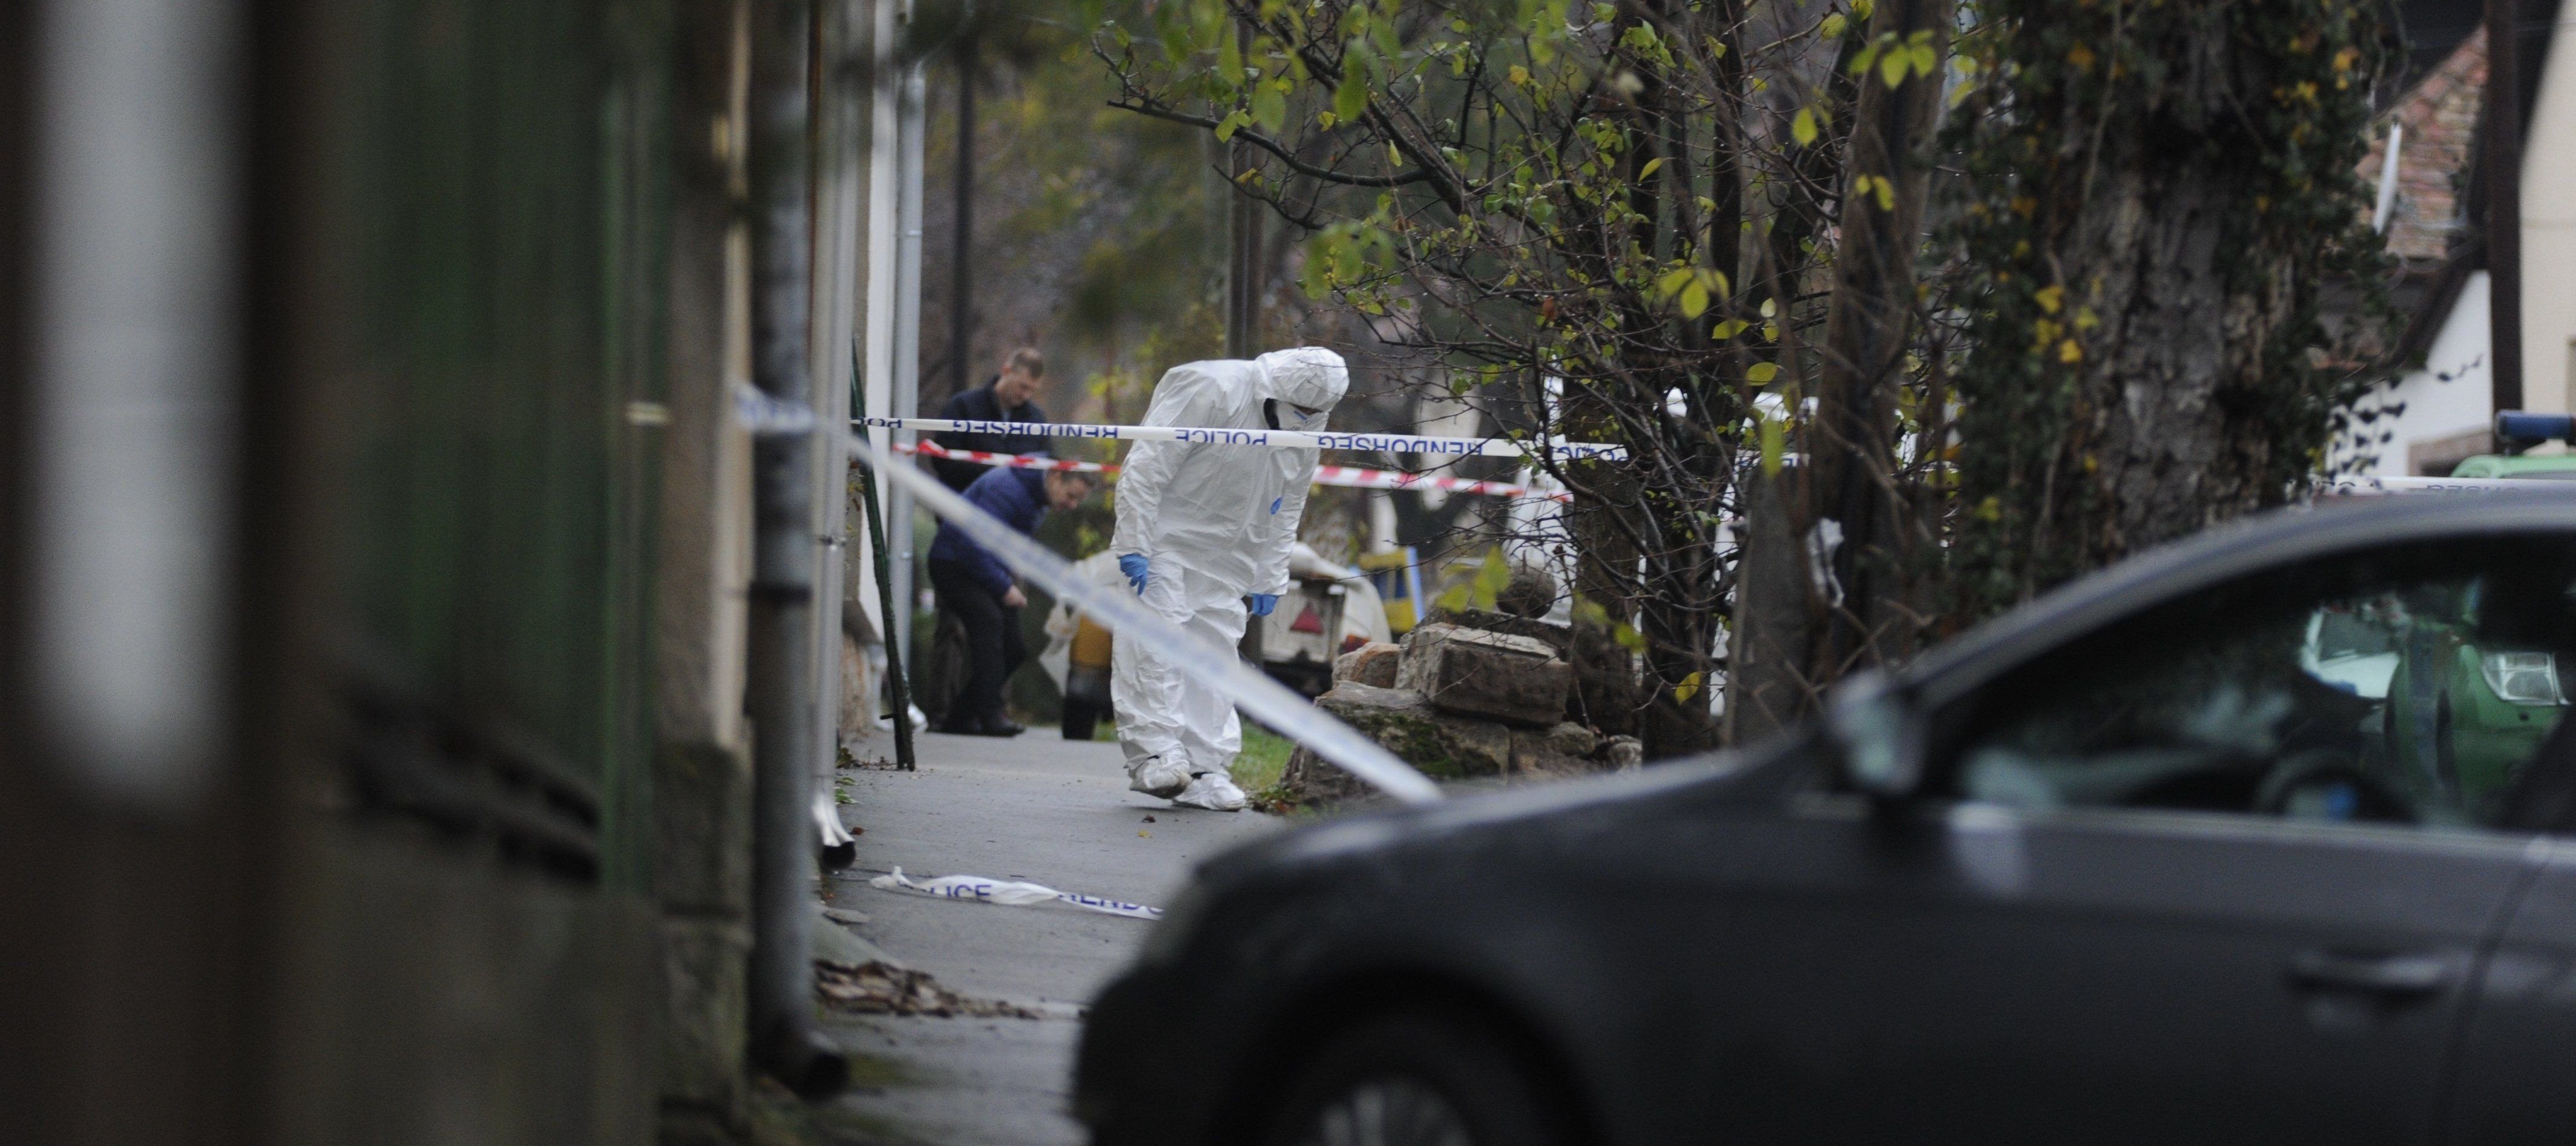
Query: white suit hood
[1308,376]
[1229,512]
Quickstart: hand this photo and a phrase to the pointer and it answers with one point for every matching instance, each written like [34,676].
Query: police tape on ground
[1010,893]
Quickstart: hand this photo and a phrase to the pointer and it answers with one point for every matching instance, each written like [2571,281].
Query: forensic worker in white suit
[1202,527]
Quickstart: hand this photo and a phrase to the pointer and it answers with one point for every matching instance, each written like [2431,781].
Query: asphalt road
[1035,808]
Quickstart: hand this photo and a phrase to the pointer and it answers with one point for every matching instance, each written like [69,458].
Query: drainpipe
[909,126]
[784,1040]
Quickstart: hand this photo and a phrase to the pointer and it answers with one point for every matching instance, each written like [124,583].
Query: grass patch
[1264,757]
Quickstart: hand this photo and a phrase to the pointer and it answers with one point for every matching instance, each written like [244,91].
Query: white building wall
[2549,228]
[2448,398]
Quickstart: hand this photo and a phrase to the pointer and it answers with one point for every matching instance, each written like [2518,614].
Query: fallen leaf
[884,989]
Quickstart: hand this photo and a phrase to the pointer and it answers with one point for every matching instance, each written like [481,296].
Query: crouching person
[975,586]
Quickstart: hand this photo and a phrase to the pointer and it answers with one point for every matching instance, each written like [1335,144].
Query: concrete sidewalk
[1036,808]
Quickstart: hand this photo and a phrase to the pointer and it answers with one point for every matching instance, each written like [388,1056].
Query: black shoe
[990,726]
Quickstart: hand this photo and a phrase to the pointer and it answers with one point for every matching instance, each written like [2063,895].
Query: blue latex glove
[1262,603]
[1133,565]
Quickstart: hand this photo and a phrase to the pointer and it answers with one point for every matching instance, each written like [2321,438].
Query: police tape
[1010,893]
[1351,477]
[1014,461]
[1275,439]
[1348,477]
[1222,668]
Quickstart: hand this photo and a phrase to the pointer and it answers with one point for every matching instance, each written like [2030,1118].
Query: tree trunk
[2147,352]
[1825,588]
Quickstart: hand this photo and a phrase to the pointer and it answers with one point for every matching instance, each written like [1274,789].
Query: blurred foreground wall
[372,541]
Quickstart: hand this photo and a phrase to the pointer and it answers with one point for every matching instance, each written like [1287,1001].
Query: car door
[2516,1081]
[2169,890]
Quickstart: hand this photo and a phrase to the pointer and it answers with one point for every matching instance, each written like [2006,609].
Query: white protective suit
[1214,523]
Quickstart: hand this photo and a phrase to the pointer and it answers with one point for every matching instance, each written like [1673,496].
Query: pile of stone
[1470,695]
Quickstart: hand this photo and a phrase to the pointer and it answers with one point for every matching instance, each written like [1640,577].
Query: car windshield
[2392,702]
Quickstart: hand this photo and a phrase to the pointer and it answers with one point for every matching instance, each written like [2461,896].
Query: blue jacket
[1018,497]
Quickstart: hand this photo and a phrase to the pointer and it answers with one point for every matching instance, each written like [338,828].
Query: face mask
[1292,418]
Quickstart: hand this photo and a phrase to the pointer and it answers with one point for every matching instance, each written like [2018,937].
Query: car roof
[2222,554]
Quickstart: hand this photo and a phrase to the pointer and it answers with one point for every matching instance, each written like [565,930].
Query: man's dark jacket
[1018,497]
[979,405]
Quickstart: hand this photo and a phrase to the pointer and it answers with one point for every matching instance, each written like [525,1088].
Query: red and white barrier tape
[1014,461]
[1351,477]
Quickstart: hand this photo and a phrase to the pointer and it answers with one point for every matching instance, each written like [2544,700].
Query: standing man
[1009,396]
[1200,526]
[977,587]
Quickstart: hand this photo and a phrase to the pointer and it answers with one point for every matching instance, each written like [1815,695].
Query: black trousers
[992,637]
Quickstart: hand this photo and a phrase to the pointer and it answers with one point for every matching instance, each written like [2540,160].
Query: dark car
[2122,866]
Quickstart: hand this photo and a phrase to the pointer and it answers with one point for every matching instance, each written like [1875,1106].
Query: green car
[2457,718]
[2561,467]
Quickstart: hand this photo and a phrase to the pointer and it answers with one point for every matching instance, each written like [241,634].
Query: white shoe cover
[1159,777]
[1212,791]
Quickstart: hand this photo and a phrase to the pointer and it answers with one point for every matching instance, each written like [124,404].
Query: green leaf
[1648,171]
[1775,442]
[1761,373]
[1229,62]
[1728,329]
[1319,261]
[1926,61]
[1269,106]
[1833,26]
[1892,67]
[1688,688]
[1628,637]
[1803,128]
[1694,298]
[1225,128]
[1350,99]
[1672,283]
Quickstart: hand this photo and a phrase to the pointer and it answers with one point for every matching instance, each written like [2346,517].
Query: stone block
[1444,745]
[1374,664]
[1572,740]
[1558,637]
[1621,753]
[1476,672]
[1552,753]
